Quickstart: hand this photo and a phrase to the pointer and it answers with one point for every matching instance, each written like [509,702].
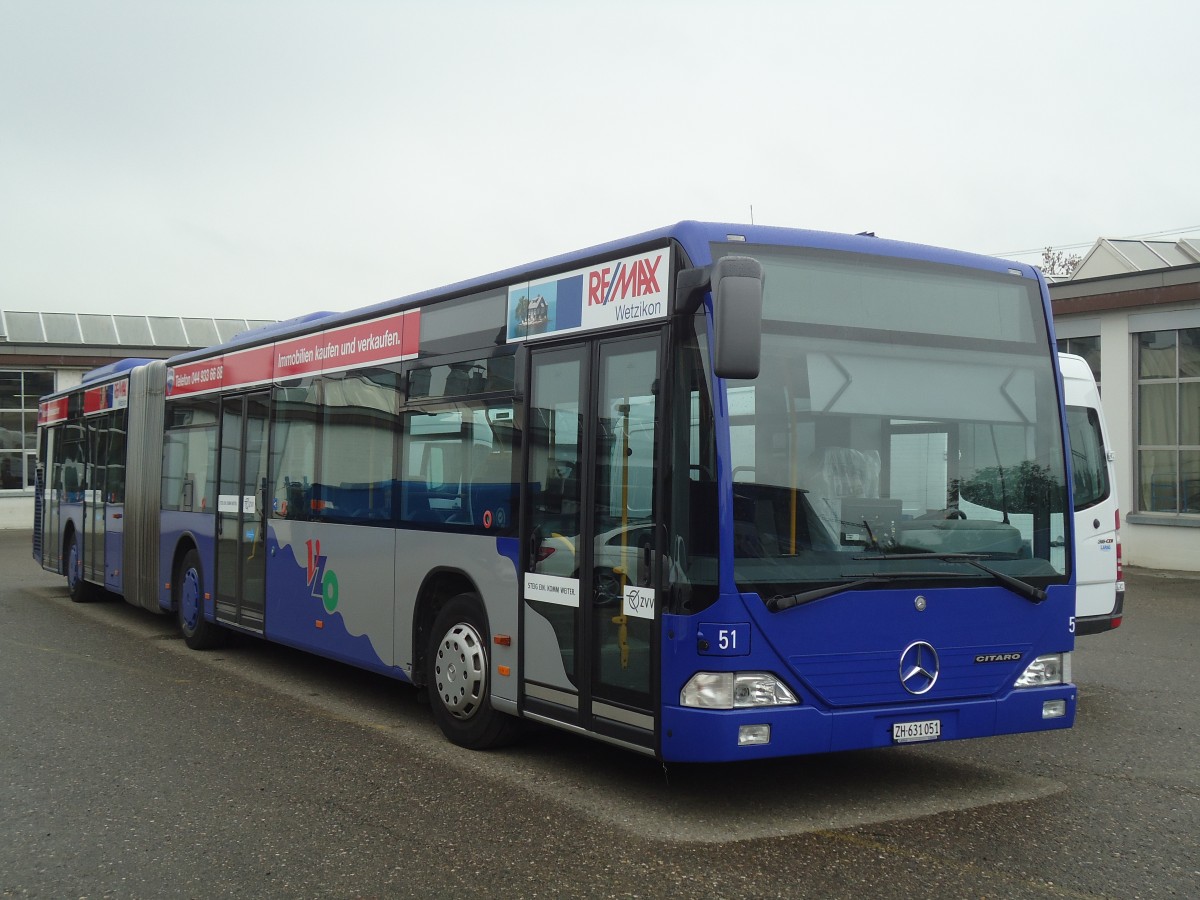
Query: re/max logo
[322,581]
[624,281]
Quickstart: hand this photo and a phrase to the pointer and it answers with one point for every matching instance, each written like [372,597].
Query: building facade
[1132,309]
[41,352]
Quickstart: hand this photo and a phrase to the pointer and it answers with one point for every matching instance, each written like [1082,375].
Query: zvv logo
[322,582]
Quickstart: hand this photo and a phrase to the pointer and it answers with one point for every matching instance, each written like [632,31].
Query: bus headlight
[1052,668]
[735,690]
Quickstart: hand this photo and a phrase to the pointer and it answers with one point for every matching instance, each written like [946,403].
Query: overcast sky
[271,158]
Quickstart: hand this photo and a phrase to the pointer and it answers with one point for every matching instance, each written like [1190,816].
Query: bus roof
[696,238]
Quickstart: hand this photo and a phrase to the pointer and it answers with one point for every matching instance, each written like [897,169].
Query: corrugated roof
[18,327]
[1115,256]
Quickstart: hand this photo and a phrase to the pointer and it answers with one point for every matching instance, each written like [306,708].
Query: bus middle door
[241,511]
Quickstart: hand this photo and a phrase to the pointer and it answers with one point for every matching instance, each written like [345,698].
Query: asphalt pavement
[131,766]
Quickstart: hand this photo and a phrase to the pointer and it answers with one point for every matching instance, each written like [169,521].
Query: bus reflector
[1120,561]
[504,670]
[502,640]
[319,623]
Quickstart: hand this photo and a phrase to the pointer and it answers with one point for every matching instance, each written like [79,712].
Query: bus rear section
[1100,585]
[96,512]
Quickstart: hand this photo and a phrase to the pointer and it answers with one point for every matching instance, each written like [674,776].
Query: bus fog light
[1054,709]
[749,735]
[735,690]
[1052,668]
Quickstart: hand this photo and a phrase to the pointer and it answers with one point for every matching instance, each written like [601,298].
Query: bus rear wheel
[80,590]
[188,589]
[457,675]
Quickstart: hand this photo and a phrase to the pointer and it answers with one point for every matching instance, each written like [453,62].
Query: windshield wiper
[775,604]
[1030,592]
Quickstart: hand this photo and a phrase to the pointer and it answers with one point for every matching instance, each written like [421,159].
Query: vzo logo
[322,582]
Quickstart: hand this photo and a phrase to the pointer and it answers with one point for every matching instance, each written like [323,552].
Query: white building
[42,352]
[1132,309]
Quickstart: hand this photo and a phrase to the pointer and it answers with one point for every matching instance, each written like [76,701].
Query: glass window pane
[1157,478]
[168,331]
[134,330]
[1156,354]
[201,332]
[294,447]
[354,470]
[1089,349]
[1189,352]
[98,329]
[62,328]
[37,385]
[229,328]
[1189,480]
[29,427]
[11,430]
[464,323]
[1140,255]
[1088,462]
[10,391]
[190,456]
[1156,414]
[1189,412]
[10,470]
[25,327]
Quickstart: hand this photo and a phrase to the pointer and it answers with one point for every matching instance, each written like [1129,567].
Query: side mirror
[737,289]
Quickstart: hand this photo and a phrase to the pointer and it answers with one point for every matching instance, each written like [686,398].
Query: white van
[1099,577]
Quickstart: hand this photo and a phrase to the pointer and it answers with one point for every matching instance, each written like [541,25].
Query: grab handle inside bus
[737,290]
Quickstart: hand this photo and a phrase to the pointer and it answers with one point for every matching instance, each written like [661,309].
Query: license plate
[910,732]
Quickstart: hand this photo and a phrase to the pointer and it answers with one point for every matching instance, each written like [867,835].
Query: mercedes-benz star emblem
[918,667]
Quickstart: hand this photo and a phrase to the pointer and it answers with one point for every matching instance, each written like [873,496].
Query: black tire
[80,590]
[457,673]
[187,593]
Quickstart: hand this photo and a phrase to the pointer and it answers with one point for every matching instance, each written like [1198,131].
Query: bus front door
[241,511]
[590,629]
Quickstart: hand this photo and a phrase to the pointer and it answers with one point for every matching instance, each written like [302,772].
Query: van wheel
[188,593]
[457,671]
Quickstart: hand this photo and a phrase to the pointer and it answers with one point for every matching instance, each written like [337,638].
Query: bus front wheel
[188,588]
[457,675]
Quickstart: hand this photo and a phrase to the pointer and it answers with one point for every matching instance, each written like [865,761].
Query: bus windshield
[905,413]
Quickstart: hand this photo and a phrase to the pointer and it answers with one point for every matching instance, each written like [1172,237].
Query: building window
[19,395]
[1088,348]
[1168,421]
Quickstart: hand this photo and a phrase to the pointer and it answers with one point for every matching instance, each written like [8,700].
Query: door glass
[98,450]
[555,497]
[254,490]
[229,506]
[623,530]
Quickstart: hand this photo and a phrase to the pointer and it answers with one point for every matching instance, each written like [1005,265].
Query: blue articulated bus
[712,492]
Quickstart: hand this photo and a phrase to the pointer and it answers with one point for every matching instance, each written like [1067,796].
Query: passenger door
[242,511]
[590,626]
